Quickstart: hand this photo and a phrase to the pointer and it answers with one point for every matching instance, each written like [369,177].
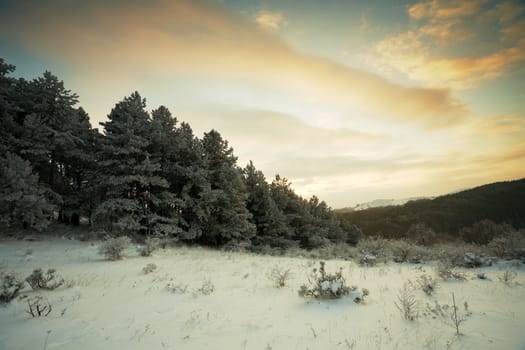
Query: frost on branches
[323,285]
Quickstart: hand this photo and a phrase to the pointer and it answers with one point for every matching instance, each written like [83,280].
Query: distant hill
[501,202]
[380,203]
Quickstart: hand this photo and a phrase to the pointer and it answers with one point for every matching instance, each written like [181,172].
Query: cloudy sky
[349,100]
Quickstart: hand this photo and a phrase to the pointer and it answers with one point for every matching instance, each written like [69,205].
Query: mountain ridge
[501,202]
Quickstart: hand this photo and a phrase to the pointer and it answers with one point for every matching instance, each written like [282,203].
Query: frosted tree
[55,137]
[163,147]
[270,222]
[7,109]
[23,200]
[306,229]
[188,179]
[127,175]
[228,218]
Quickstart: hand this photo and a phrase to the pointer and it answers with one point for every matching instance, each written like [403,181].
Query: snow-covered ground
[115,305]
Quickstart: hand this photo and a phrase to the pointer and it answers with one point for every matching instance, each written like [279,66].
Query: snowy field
[203,299]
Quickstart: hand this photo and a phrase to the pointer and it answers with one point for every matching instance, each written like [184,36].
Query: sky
[349,100]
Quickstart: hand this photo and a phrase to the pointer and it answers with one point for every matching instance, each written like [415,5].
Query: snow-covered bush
[40,280]
[510,245]
[374,250]
[38,307]
[407,303]
[484,231]
[149,268]
[113,248]
[279,276]
[445,271]
[457,317]
[403,251]
[427,284]
[150,245]
[508,277]
[177,288]
[10,288]
[207,288]
[323,285]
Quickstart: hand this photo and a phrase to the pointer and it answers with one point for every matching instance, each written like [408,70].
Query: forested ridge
[448,215]
[145,173]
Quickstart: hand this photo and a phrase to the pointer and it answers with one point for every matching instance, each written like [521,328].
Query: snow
[376,203]
[115,305]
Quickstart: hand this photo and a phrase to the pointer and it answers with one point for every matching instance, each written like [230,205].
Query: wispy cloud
[169,39]
[341,132]
[271,21]
[421,53]
[443,9]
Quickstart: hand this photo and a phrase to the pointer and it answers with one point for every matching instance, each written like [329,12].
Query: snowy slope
[114,305]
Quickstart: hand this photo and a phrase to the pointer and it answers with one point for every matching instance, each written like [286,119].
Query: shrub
[407,304]
[420,233]
[508,277]
[374,246]
[177,288]
[510,245]
[40,280]
[37,307]
[149,268]
[403,251]
[482,232]
[207,288]
[427,284]
[150,245]
[457,317]
[280,276]
[324,285]
[445,271]
[113,248]
[481,276]
[11,288]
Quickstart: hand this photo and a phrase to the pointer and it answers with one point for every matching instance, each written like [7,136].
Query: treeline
[449,215]
[144,174]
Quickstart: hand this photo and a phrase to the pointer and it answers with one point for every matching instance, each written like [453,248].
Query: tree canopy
[144,174]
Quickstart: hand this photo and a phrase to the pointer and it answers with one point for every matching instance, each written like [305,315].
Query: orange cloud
[507,11]
[514,31]
[443,9]
[444,23]
[173,38]
[506,125]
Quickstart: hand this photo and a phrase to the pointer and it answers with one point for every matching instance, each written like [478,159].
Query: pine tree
[297,213]
[164,150]
[193,184]
[181,157]
[127,174]
[272,229]
[56,138]
[228,218]
[23,201]
[80,165]
[9,129]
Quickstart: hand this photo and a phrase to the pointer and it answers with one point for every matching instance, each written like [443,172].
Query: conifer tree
[23,202]
[297,213]
[189,181]
[127,174]
[228,218]
[164,149]
[272,229]
[9,128]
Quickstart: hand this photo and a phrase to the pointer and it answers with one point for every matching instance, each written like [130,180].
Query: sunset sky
[349,100]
